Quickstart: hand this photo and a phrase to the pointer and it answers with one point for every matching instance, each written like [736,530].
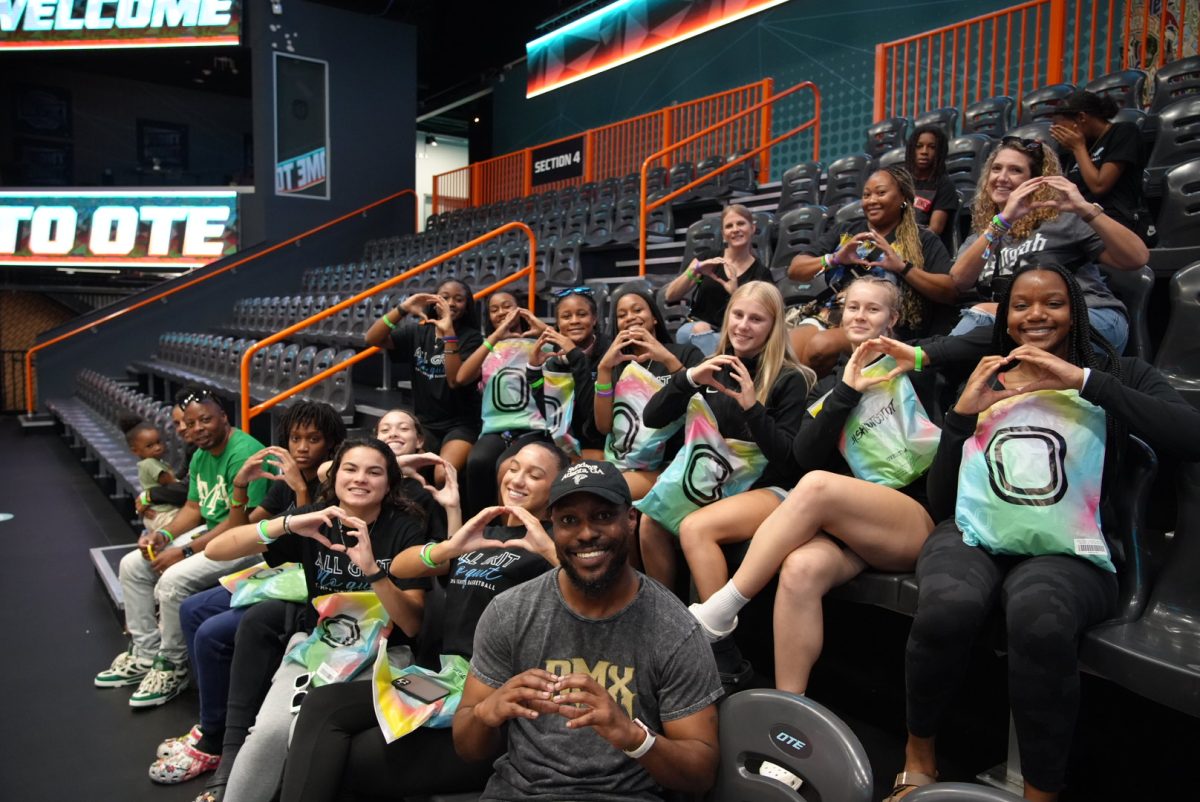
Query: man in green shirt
[161,569]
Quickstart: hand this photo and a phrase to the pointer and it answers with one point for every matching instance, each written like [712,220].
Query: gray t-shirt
[1064,240]
[651,657]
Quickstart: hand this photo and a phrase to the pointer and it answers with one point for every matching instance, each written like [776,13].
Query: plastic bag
[346,637]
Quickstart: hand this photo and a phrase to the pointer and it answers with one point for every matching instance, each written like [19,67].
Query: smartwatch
[907,267]
[647,744]
[375,577]
[188,551]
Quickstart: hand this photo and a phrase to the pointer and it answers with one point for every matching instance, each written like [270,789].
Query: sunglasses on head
[1027,145]
[197,397]
[563,293]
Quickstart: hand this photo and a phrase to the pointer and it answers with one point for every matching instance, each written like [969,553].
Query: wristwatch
[188,551]
[907,267]
[375,577]
[647,744]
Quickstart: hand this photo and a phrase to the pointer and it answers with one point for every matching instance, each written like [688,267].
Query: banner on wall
[621,32]
[117,228]
[301,127]
[556,161]
[102,24]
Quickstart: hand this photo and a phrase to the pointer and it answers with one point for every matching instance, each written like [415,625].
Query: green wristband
[170,537]
[426,554]
[918,358]
[387,321]
[263,537]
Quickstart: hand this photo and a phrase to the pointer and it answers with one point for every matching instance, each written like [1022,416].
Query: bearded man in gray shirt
[604,680]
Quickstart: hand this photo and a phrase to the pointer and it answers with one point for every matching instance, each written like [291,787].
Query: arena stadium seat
[846,178]
[673,314]
[1132,288]
[711,188]
[681,173]
[1175,81]
[851,211]
[945,118]
[797,228]
[960,792]
[792,732]
[703,239]
[991,116]
[566,267]
[1126,87]
[1040,104]
[742,178]
[600,223]
[1179,351]
[892,158]
[887,134]
[1178,224]
[800,185]
[1039,130]
[1178,140]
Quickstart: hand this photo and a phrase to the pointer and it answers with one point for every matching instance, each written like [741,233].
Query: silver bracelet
[287,530]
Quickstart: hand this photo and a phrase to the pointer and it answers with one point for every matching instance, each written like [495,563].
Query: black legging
[481,467]
[262,636]
[1048,603]
[338,752]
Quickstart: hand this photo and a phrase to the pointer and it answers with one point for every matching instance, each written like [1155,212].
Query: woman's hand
[505,326]
[285,468]
[416,303]
[978,394]
[356,544]
[862,358]
[709,267]
[1044,371]
[1020,200]
[561,343]
[536,539]
[1068,136]
[536,324]
[647,348]
[706,374]
[891,261]
[447,495]
[904,354]
[847,252]
[614,356]
[444,322]
[409,464]
[1067,197]
[469,536]
[309,524]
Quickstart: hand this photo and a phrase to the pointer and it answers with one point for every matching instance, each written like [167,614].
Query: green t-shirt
[211,477]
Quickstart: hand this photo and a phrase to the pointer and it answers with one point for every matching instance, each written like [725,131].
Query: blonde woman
[1027,211]
[715,279]
[756,390]
[886,242]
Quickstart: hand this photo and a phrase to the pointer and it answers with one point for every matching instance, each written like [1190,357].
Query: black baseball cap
[601,479]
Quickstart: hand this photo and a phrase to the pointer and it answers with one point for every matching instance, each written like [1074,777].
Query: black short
[436,436]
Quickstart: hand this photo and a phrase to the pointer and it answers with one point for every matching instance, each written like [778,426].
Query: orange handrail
[31,400]
[248,412]
[646,208]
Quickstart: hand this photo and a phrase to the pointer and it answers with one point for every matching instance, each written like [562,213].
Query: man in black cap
[606,684]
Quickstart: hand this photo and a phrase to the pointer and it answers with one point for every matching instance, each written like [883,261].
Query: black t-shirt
[937,195]
[280,498]
[328,571]
[935,318]
[477,577]
[436,404]
[710,300]
[1120,144]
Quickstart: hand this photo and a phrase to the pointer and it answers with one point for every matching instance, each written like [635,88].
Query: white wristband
[687,374]
[647,744]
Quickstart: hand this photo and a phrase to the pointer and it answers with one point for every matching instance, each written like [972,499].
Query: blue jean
[1108,323]
[706,341]
[210,626]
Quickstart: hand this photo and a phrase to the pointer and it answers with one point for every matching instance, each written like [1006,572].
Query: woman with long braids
[936,202]
[1053,395]
[1026,211]
[425,331]
[888,243]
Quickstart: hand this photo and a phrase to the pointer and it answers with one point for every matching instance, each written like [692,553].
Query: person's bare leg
[1039,795]
[808,573]
[883,526]
[730,520]
[658,551]
[799,337]
[918,756]
[455,452]
[640,482]
[823,349]
[594,454]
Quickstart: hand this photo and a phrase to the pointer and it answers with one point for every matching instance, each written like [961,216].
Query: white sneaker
[161,685]
[125,670]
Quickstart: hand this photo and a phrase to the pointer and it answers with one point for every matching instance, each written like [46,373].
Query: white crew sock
[719,613]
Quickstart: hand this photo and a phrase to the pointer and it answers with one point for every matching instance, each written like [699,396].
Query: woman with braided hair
[1026,210]
[886,242]
[1047,412]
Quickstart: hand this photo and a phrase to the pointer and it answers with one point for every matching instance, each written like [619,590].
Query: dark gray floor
[62,738]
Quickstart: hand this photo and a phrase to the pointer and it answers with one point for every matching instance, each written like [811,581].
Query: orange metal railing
[764,148]
[616,149]
[31,398]
[248,413]
[1015,50]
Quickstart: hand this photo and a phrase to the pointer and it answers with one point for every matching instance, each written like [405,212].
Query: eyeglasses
[1031,146]
[563,293]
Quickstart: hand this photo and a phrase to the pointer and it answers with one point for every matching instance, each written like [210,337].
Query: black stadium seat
[887,134]
[741,178]
[703,240]
[1178,141]
[964,162]
[946,119]
[892,158]
[1179,352]
[846,178]
[800,185]
[1174,82]
[1040,104]
[1132,288]
[797,228]
[712,187]
[991,116]
[1126,87]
